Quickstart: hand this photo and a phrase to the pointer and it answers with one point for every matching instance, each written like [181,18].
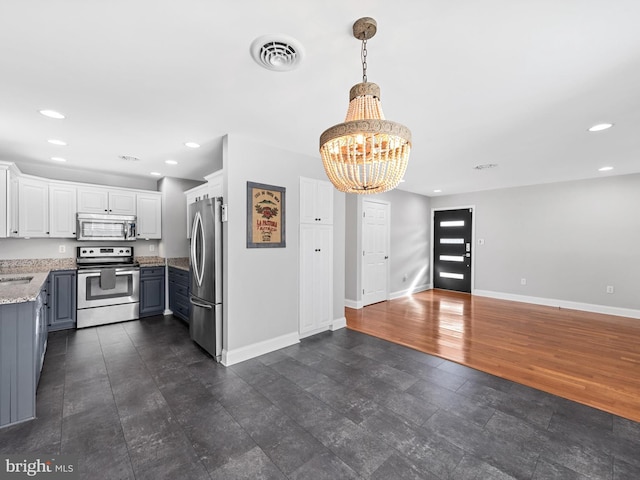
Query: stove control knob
[121,251]
[90,251]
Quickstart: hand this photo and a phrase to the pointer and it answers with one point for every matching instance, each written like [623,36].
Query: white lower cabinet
[316,278]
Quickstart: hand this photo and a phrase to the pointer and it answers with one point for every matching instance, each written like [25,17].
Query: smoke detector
[279,53]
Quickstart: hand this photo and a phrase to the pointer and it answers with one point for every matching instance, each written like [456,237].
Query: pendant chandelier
[366,153]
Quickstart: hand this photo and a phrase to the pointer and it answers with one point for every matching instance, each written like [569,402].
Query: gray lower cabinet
[151,291]
[61,308]
[23,343]
[179,293]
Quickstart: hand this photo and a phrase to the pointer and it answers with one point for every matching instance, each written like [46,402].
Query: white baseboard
[552,302]
[231,357]
[352,303]
[392,296]
[338,323]
[167,312]
[410,291]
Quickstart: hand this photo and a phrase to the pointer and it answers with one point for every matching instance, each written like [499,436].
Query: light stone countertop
[27,267]
[25,292]
[181,263]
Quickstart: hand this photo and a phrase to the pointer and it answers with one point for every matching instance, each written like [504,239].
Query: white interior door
[375,252]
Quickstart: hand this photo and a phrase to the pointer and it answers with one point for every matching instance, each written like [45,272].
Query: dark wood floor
[590,358]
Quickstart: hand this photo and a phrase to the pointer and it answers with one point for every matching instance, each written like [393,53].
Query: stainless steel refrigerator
[205,325]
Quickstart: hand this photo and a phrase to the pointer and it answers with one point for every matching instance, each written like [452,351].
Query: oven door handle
[202,305]
[93,273]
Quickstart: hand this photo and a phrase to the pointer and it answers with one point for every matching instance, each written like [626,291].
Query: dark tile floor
[140,400]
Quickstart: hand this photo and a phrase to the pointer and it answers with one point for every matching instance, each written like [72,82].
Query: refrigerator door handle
[202,305]
[197,238]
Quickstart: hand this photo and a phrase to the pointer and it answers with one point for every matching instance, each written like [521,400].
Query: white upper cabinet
[214,184]
[93,200]
[62,210]
[122,203]
[33,207]
[38,207]
[316,201]
[105,200]
[149,208]
[213,188]
[4,193]
[12,209]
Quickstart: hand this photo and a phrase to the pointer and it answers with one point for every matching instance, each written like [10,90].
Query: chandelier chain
[363,56]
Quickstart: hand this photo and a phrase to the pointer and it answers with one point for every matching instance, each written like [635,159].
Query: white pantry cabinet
[316,278]
[316,201]
[316,256]
[149,211]
[62,210]
[106,200]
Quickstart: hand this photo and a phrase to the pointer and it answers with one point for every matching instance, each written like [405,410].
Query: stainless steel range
[108,285]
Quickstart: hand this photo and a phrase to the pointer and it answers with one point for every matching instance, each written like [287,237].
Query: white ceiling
[511,82]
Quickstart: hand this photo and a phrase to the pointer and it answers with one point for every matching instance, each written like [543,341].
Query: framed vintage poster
[265,216]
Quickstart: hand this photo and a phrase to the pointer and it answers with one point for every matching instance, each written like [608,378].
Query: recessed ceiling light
[192,144]
[52,114]
[155,174]
[58,159]
[600,126]
[605,169]
[170,162]
[57,142]
[437,191]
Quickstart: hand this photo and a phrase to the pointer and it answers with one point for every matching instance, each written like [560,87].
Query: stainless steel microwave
[96,226]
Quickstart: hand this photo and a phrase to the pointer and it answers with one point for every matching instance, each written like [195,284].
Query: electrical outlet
[481,241]
[152,248]
[62,249]
[404,277]
[523,281]
[609,288]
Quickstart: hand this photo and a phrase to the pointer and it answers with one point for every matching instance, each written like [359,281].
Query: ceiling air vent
[280,53]
[129,158]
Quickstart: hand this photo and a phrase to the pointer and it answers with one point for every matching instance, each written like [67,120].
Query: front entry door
[452,249]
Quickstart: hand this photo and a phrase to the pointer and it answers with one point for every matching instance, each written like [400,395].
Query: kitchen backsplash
[60,248]
[29,265]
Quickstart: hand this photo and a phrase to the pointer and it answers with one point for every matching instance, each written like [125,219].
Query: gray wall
[174,241]
[261,284]
[409,242]
[569,240]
